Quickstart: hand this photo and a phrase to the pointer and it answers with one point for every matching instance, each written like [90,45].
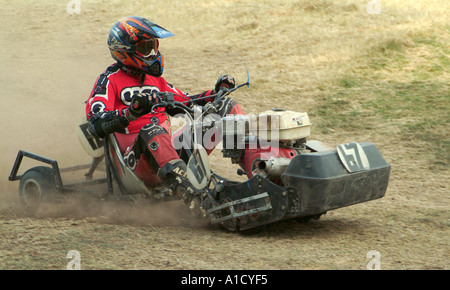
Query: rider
[122,98]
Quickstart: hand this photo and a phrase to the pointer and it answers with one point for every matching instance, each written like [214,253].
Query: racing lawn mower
[287,175]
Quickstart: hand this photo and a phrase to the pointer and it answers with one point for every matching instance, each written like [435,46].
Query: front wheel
[37,185]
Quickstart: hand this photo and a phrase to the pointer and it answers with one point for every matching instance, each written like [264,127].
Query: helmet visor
[147,48]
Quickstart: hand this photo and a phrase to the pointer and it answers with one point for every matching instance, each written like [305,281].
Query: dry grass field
[381,78]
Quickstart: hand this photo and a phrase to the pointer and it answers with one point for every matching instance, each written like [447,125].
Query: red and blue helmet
[133,42]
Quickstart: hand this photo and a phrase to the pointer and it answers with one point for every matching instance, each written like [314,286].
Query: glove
[224,81]
[141,104]
[103,123]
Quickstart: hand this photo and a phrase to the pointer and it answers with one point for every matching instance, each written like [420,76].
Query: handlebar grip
[172,104]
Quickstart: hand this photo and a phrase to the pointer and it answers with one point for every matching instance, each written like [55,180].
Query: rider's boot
[175,178]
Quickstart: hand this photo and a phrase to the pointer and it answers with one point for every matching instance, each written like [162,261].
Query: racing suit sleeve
[100,107]
[103,95]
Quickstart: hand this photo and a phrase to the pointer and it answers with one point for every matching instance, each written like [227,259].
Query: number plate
[353,157]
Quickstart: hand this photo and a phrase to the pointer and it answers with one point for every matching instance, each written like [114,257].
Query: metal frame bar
[22,153]
[56,171]
[231,205]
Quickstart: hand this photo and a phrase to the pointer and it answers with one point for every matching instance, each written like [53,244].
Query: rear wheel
[37,185]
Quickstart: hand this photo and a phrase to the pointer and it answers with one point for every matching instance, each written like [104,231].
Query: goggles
[147,48]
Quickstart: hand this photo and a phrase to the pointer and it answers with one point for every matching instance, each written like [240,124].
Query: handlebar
[166,99]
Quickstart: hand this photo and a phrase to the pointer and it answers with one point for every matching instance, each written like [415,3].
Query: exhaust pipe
[274,167]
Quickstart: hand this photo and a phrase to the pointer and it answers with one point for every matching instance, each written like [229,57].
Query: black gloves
[224,81]
[141,104]
[103,123]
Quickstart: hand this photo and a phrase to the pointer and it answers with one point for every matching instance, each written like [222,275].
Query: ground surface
[381,78]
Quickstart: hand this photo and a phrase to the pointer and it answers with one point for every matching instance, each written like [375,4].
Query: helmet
[133,42]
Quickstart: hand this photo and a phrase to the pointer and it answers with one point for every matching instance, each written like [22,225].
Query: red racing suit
[146,141]
[114,89]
